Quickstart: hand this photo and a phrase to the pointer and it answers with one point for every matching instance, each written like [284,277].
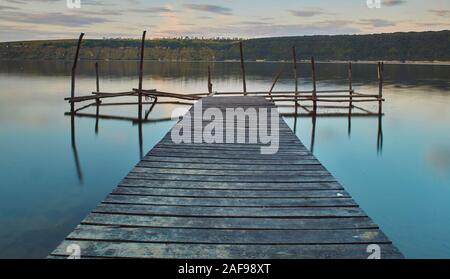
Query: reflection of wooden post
[294,60]
[313,65]
[74,69]
[243,68]
[210,86]
[141,73]
[97,111]
[380,135]
[141,141]
[313,133]
[380,86]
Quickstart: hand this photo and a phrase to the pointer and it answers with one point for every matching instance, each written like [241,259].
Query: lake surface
[399,174]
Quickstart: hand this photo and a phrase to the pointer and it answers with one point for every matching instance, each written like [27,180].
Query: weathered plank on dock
[227,200]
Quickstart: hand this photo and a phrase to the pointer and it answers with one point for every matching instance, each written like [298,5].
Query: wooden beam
[330,114]
[152,93]
[151,108]
[310,96]
[315,100]
[275,82]
[99,96]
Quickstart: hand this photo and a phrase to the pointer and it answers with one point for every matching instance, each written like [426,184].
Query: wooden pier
[228,201]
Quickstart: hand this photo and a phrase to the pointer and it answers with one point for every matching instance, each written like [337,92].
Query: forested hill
[411,46]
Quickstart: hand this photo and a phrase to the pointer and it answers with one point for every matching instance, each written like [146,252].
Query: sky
[54,19]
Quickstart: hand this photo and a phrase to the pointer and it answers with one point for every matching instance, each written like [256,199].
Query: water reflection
[134,121]
[141,150]
[410,174]
[75,151]
[97,113]
[380,135]
[400,76]
[314,117]
[313,133]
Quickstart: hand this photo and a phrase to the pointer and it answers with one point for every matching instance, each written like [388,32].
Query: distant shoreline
[388,62]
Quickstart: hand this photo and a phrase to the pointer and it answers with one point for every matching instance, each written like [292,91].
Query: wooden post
[97,101]
[210,86]
[97,82]
[294,60]
[350,90]
[141,73]
[243,69]
[380,86]
[74,69]
[313,65]
[350,84]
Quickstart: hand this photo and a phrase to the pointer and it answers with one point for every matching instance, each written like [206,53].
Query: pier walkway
[224,201]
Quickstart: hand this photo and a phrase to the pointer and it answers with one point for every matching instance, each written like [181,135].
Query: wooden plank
[230,202]
[201,193]
[228,223]
[241,153]
[267,157]
[201,160]
[179,211]
[306,165]
[113,250]
[318,171]
[248,178]
[137,182]
[229,147]
[225,236]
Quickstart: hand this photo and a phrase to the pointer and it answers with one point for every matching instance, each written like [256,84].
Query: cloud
[56,19]
[306,12]
[25,1]
[377,22]
[252,29]
[209,8]
[152,10]
[103,12]
[442,13]
[4,8]
[390,3]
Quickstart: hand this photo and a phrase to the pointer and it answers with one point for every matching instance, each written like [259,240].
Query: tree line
[402,46]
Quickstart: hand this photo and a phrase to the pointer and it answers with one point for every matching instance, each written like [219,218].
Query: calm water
[48,185]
